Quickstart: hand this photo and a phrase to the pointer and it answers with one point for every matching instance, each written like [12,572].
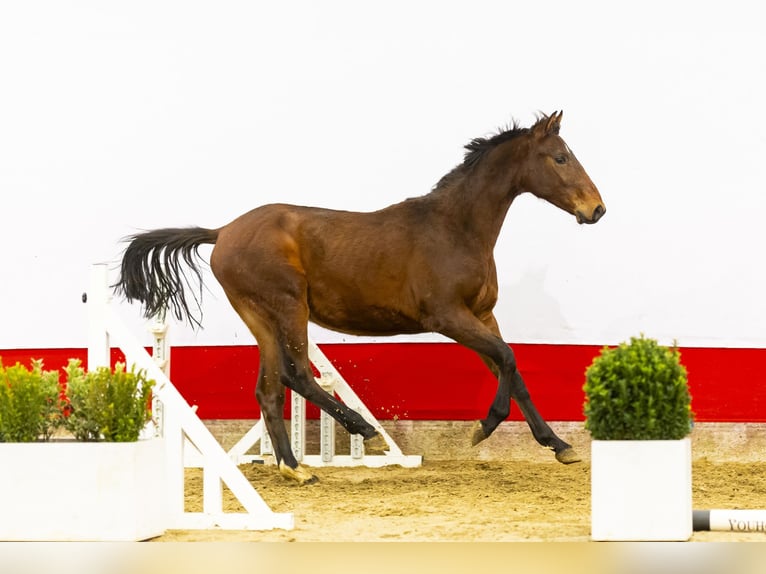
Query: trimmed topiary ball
[637,391]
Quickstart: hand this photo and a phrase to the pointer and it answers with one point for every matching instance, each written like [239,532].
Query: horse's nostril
[598,212]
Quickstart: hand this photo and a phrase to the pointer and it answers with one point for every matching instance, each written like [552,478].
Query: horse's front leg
[484,338]
[511,386]
[500,409]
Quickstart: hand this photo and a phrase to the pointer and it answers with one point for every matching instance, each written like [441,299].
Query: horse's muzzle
[597,214]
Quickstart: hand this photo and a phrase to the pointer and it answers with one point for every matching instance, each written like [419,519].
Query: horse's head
[553,173]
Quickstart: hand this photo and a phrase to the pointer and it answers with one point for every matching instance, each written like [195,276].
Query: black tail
[152,270]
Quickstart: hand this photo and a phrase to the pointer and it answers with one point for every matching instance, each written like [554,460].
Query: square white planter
[79,491]
[641,490]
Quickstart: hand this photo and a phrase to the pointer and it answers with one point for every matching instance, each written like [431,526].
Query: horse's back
[316,231]
[352,268]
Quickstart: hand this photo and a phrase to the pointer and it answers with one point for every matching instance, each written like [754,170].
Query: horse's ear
[547,125]
[554,123]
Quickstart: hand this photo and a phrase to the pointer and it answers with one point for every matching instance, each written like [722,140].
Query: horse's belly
[368,321]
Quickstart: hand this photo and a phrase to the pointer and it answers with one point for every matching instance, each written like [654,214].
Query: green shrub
[106,405]
[637,391]
[30,402]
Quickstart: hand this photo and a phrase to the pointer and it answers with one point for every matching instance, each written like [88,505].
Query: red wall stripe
[444,381]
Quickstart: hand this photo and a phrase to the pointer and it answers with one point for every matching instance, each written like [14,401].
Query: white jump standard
[179,424]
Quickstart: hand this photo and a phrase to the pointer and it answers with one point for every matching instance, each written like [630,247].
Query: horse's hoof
[313,479]
[477,433]
[568,456]
[298,474]
[376,444]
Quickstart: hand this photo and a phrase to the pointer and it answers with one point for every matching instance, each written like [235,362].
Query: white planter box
[641,490]
[77,491]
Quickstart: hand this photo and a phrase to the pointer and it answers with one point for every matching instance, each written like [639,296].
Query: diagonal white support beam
[216,459]
[331,377]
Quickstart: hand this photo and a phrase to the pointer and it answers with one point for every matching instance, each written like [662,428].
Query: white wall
[116,117]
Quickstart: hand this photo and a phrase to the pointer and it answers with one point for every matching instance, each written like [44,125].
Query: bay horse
[425,264]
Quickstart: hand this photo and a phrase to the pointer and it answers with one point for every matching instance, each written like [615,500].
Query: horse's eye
[561,159]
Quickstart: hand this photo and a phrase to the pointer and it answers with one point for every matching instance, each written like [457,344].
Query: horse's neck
[479,204]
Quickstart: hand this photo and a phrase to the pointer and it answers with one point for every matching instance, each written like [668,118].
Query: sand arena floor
[508,491]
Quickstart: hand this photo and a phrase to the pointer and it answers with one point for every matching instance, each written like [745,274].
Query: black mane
[478,148]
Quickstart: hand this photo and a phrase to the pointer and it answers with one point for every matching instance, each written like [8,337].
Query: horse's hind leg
[298,376]
[288,313]
[295,373]
[270,393]
[283,341]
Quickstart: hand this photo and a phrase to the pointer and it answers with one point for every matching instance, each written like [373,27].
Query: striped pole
[729,520]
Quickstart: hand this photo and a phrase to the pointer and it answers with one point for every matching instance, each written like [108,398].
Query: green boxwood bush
[101,405]
[30,402]
[107,405]
[637,391]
